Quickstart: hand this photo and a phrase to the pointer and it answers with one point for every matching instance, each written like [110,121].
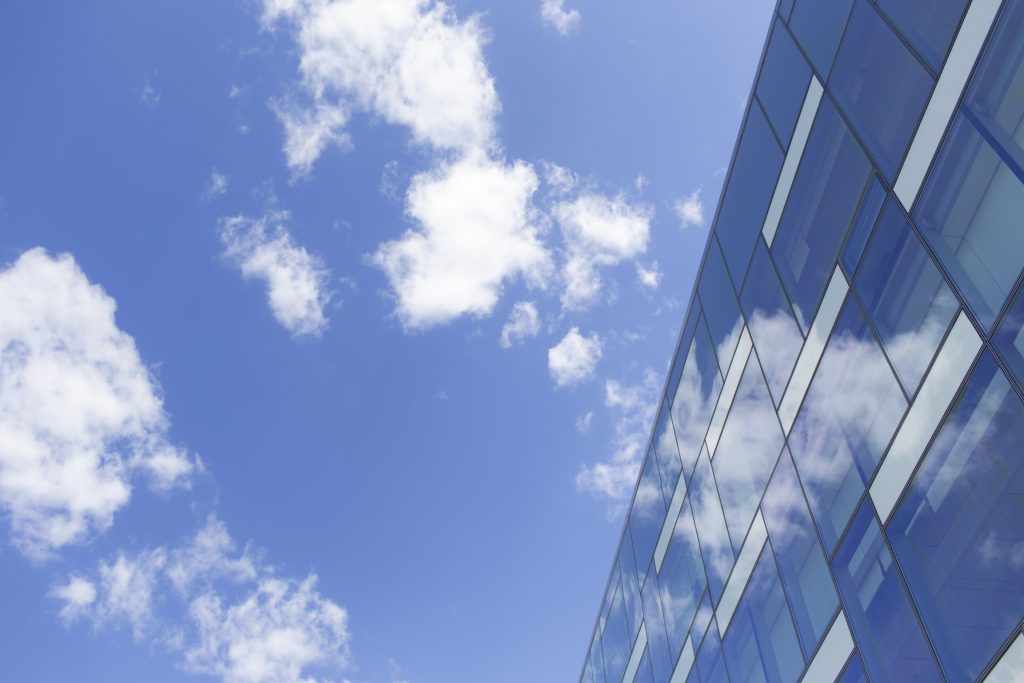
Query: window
[959,534]
[783,83]
[881,86]
[905,296]
[929,24]
[644,674]
[720,308]
[647,514]
[994,96]
[854,672]
[819,25]
[595,664]
[630,579]
[1010,339]
[667,453]
[662,660]
[681,579]
[695,397]
[870,207]
[684,345]
[881,617]
[615,640]
[711,528]
[710,664]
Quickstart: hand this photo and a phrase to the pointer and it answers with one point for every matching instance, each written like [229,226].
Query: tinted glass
[596,662]
[615,640]
[818,25]
[905,296]
[647,514]
[881,86]
[824,198]
[929,24]
[959,535]
[703,619]
[879,612]
[665,447]
[996,96]
[681,579]
[1010,339]
[695,397]
[854,672]
[662,660]
[711,528]
[643,672]
[867,214]
[709,659]
[721,310]
[783,82]
[630,580]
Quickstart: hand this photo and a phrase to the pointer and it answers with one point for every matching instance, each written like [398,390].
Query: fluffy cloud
[217,185]
[649,276]
[574,359]
[296,280]
[308,132]
[477,229]
[690,210]
[555,15]
[523,323]
[79,412]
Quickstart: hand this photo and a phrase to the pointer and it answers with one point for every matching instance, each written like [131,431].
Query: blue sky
[330,331]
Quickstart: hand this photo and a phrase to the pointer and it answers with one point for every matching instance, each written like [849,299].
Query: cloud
[148,94]
[523,323]
[79,412]
[560,180]
[217,185]
[555,15]
[574,359]
[690,210]
[649,276]
[308,132]
[476,229]
[584,422]
[296,280]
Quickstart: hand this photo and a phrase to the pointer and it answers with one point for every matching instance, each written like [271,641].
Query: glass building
[834,486]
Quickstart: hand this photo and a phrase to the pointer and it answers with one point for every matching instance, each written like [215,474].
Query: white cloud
[599,231]
[649,276]
[308,132]
[476,230]
[217,185]
[690,210]
[523,323]
[148,94]
[574,359]
[560,180]
[555,15]
[296,280]
[78,595]
[79,412]
[584,422]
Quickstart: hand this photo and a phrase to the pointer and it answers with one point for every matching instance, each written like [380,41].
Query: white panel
[670,522]
[807,363]
[685,662]
[938,390]
[636,656]
[741,572]
[830,658]
[732,383]
[942,104]
[796,150]
[1010,668]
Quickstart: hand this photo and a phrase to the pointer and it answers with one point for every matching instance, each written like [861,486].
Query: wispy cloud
[555,15]
[217,185]
[148,93]
[523,323]
[690,210]
[574,359]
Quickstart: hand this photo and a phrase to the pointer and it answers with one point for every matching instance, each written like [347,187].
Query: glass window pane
[783,82]
[681,579]
[959,535]
[880,614]
[695,397]
[929,24]
[709,659]
[825,195]
[761,643]
[1010,338]
[785,7]
[721,310]
[854,672]
[667,452]
[702,620]
[905,296]
[647,514]
[615,640]
[773,327]
[711,528]
[996,94]
[867,215]
[662,661]
[970,213]
[801,559]
[848,418]
[684,346]
[644,674]
[819,25]
[749,190]
[630,585]
[881,86]
[747,452]
[596,663]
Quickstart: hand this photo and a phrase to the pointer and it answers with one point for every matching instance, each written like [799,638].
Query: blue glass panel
[684,345]
[959,534]
[785,7]
[681,579]
[783,82]
[818,25]
[695,397]
[644,674]
[721,310]
[870,207]
[711,528]
[615,641]
[773,327]
[761,643]
[596,662]
[822,203]
[709,659]
[748,193]
[662,660]
[848,418]
[747,451]
[703,619]
[854,672]
[1009,340]
[905,296]
[647,514]
[630,585]
[969,212]
[880,614]
[881,86]
[801,560]
[667,451]
[929,24]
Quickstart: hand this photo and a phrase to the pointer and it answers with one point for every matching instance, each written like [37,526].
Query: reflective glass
[929,24]
[822,203]
[867,214]
[703,619]
[596,662]
[881,86]
[761,643]
[773,327]
[879,612]
[696,396]
[711,528]
[800,556]
[685,340]
[667,452]
[1009,340]
[783,82]
[818,25]
[630,585]
[709,659]
[785,7]
[747,452]
[905,296]
[647,514]
[681,579]
[996,95]
[845,424]
[644,674]
[749,191]
[721,310]
[662,659]
[969,212]
[615,641]
[959,534]
[854,672]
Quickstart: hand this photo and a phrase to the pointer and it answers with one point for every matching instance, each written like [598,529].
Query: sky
[331,331]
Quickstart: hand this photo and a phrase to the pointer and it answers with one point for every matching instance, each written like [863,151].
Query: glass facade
[834,485]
